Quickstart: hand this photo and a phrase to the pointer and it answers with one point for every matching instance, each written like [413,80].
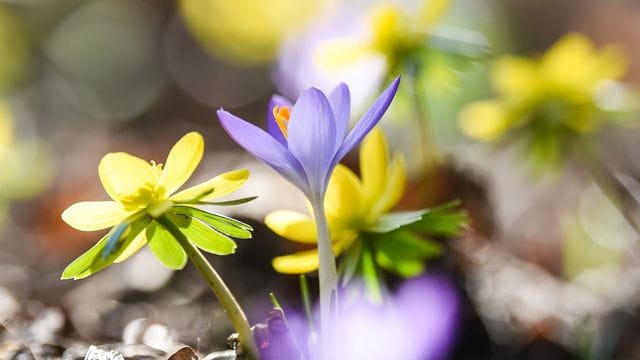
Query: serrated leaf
[444,220]
[394,221]
[93,260]
[221,223]
[203,236]
[165,247]
[404,253]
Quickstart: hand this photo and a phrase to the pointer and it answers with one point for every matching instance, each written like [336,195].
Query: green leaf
[205,237]
[393,221]
[93,259]
[349,262]
[444,220]
[404,253]
[370,276]
[165,247]
[228,202]
[221,223]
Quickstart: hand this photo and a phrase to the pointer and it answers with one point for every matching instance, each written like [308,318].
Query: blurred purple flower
[300,63]
[418,323]
[306,146]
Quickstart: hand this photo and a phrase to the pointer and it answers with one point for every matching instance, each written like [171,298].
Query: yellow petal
[307,261]
[575,66]
[123,175]
[344,199]
[389,27]
[515,77]
[219,186]
[94,215]
[136,244]
[431,12]
[611,63]
[373,163]
[484,120]
[292,225]
[394,189]
[182,161]
[298,263]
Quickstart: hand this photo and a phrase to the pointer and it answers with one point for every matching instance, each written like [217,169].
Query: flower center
[150,195]
[146,196]
[281,114]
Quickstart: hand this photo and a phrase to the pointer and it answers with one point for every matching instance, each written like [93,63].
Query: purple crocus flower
[305,141]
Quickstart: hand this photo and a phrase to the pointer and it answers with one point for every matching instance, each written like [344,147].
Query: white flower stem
[328,279]
[217,285]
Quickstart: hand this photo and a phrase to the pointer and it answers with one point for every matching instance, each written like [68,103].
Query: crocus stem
[617,193]
[328,276]
[219,288]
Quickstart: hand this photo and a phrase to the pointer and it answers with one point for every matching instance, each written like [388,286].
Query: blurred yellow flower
[554,95]
[352,205]
[393,33]
[246,31]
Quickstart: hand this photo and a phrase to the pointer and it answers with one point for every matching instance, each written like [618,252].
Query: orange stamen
[281,114]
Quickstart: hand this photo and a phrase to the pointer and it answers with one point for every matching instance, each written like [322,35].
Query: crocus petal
[298,263]
[216,187]
[344,200]
[138,242]
[340,101]
[272,126]
[123,175]
[94,215]
[293,226]
[264,147]
[183,159]
[165,247]
[368,120]
[312,136]
[373,164]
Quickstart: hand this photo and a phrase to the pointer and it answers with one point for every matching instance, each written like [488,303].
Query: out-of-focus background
[549,268]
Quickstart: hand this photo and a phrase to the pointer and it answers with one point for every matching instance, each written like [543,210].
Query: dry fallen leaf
[185,353]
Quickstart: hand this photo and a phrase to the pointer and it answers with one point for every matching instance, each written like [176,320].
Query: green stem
[426,129]
[370,275]
[306,301]
[328,275]
[617,193]
[217,285]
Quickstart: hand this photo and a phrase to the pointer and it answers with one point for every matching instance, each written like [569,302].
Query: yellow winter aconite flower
[352,205]
[142,191]
[552,96]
